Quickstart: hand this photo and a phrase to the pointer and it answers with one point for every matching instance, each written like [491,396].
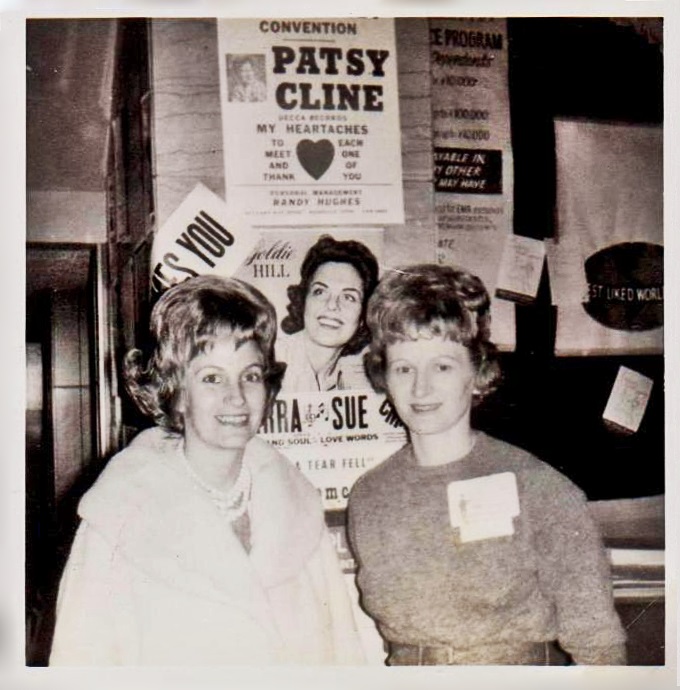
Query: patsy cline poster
[310,118]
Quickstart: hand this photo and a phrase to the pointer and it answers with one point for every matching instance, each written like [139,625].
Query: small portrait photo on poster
[246,78]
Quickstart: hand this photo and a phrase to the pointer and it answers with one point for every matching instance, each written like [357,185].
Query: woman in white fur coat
[200,544]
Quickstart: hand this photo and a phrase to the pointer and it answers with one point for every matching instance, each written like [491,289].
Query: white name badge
[484,507]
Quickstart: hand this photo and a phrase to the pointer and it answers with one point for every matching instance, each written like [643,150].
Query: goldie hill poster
[333,428]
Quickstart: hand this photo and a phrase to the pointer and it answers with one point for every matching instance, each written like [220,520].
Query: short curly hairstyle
[327,249]
[185,322]
[428,300]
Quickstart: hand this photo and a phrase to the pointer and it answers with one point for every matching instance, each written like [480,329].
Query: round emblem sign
[625,286]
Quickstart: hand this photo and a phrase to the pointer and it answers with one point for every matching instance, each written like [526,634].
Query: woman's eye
[316,291]
[212,378]
[350,297]
[253,377]
[402,369]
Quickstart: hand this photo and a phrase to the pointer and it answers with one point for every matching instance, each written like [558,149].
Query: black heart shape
[315,156]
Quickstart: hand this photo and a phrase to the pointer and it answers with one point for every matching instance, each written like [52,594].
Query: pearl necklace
[232,503]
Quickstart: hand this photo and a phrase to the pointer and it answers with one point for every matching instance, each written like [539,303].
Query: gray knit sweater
[550,580]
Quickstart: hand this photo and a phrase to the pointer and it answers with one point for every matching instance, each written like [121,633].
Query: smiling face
[247,73]
[333,304]
[430,382]
[224,395]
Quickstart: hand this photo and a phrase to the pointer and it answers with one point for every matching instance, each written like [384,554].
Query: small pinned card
[520,269]
[484,507]
[628,400]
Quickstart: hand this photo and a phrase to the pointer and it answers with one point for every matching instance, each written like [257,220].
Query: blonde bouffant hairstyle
[429,300]
[185,322]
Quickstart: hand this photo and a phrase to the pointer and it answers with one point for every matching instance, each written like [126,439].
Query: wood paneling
[67,434]
[70,396]
[66,355]
[187,121]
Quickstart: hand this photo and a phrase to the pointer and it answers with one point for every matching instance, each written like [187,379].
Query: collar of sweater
[479,461]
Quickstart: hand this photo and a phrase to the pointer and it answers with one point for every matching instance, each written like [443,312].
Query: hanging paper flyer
[327,419]
[628,399]
[310,118]
[334,437]
[472,165]
[607,261]
[201,236]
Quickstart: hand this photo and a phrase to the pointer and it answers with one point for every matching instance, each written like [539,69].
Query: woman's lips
[233,419]
[421,407]
[330,322]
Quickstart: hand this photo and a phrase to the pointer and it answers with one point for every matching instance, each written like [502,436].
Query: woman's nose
[421,384]
[233,394]
[333,302]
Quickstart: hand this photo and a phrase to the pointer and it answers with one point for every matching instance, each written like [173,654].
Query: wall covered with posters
[498,123]
[466,96]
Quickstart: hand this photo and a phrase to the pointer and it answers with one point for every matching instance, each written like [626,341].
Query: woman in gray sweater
[470,550]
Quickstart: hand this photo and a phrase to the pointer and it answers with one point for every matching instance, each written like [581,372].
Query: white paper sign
[483,508]
[202,236]
[609,193]
[521,268]
[473,168]
[628,400]
[334,438]
[310,114]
